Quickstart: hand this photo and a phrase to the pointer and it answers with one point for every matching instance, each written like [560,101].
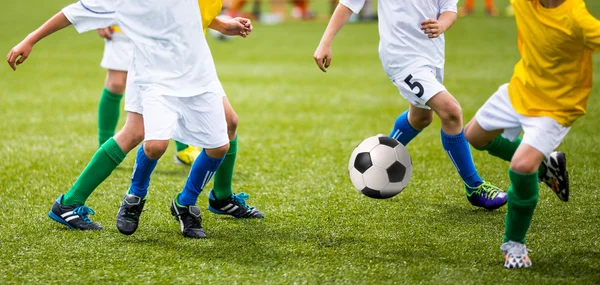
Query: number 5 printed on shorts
[414,85]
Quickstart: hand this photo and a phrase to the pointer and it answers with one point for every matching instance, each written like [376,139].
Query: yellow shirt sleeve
[589,25]
[209,10]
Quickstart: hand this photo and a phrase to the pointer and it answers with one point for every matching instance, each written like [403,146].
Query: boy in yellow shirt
[546,94]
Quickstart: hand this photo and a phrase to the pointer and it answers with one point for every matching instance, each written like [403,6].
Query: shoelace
[241,199]
[487,190]
[83,211]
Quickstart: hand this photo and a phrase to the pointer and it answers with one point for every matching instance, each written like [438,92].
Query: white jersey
[171,55]
[403,46]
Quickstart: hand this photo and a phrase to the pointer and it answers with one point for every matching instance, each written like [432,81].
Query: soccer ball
[380,167]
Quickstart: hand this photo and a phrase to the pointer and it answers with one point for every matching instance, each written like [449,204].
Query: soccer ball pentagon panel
[380,167]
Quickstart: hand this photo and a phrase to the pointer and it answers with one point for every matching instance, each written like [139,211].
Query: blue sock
[459,152]
[202,171]
[403,131]
[141,173]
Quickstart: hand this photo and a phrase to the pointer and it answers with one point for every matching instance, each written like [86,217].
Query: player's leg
[110,104]
[522,200]
[490,9]
[117,56]
[542,136]
[498,114]
[70,209]
[467,9]
[410,123]
[203,123]
[159,125]
[222,199]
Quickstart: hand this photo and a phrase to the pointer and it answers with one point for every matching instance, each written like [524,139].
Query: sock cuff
[212,162]
[233,146]
[527,185]
[114,151]
[405,121]
[112,96]
[458,138]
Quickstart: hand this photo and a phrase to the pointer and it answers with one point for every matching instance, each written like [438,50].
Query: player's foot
[462,11]
[234,206]
[129,213]
[486,196]
[187,156]
[493,12]
[515,255]
[74,217]
[189,219]
[557,176]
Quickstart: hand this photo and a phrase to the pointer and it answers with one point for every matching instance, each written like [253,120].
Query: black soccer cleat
[557,176]
[189,218]
[74,217]
[235,205]
[128,217]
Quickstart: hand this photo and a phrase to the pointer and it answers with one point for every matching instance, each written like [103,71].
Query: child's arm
[84,15]
[434,28]
[21,51]
[235,27]
[340,16]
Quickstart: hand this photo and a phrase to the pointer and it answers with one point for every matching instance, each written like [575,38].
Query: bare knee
[217,152]
[451,113]
[116,81]
[524,167]
[420,121]
[154,149]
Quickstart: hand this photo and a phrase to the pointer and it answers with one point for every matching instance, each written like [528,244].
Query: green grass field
[297,129]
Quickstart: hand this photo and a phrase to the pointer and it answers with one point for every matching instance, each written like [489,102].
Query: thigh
[202,121]
[118,53]
[419,86]
[498,114]
[160,117]
[543,133]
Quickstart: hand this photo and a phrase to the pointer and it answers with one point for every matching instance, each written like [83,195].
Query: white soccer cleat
[557,176]
[515,255]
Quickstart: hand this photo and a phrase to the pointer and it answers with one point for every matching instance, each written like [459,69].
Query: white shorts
[198,120]
[118,53]
[421,85]
[542,133]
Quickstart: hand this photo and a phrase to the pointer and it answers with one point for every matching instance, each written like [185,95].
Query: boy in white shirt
[173,92]
[411,50]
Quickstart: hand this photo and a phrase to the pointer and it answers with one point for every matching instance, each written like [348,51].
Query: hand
[432,28]
[19,54]
[237,27]
[323,56]
[106,32]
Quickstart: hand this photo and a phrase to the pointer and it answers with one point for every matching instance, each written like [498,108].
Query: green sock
[104,161]
[180,146]
[522,199]
[501,147]
[224,175]
[108,115]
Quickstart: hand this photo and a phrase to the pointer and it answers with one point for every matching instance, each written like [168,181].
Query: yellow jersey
[554,76]
[209,10]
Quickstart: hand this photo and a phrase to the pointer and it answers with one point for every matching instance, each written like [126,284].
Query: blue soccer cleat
[486,196]
[74,217]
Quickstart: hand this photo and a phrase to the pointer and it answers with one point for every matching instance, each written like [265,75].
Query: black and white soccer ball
[380,167]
